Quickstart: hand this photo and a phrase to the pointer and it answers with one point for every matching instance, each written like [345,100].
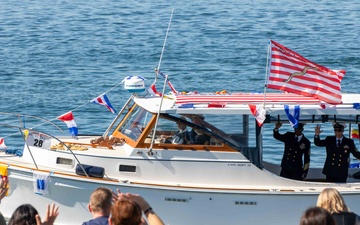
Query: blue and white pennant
[293,114]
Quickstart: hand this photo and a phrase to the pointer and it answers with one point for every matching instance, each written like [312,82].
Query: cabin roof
[239,104]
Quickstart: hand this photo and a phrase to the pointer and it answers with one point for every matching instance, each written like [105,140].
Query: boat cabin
[231,133]
[229,125]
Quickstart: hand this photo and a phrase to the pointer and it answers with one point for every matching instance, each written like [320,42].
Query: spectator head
[331,200]
[100,201]
[317,216]
[24,215]
[125,212]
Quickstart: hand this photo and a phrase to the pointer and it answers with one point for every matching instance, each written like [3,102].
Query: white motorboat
[225,181]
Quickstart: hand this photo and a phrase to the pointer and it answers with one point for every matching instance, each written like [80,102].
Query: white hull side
[175,206]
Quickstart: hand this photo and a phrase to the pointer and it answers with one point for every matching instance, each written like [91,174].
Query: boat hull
[176,206]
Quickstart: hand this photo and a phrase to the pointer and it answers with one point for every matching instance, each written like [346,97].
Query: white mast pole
[163,48]
[163,91]
[267,73]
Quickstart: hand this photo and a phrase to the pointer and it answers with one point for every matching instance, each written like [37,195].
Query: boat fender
[92,171]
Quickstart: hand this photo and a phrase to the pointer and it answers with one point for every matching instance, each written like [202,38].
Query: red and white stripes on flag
[69,119]
[259,112]
[291,72]
[104,100]
[168,82]
[152,90]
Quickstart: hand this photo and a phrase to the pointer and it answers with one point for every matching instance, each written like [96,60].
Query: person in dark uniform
[338,150]
[296,147]
[197,136]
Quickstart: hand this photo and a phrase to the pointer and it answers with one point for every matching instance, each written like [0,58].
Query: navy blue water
[58,55]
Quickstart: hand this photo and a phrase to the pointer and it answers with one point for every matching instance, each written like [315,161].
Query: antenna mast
[163,48]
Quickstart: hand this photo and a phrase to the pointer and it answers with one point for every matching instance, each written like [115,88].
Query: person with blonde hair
[331,200]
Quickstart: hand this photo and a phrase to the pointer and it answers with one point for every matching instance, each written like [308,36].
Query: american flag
[291,72]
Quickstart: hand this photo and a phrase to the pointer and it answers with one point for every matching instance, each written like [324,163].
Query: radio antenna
[163,48]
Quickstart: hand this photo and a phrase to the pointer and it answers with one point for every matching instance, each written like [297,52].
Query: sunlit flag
[168,82]
[259,112]
[293,114]
[152,90]
[103,100]
[69,119]
[291,72]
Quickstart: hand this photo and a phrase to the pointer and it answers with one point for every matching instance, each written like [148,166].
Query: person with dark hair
[26,214]
[128,210]
[196,136]
[296,146]
[338,149]
[181,136]
[331,200]
[100,206]
[317,216]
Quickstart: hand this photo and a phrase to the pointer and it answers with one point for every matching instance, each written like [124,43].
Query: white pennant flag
[2,143]
[259,112]
[41,183]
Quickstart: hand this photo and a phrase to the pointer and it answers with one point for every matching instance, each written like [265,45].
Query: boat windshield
[135,123]
[219,129]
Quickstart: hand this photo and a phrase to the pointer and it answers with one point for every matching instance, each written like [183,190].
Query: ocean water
[56,56]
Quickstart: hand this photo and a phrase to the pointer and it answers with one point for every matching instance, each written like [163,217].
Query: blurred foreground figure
[317,216]
[128,210]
